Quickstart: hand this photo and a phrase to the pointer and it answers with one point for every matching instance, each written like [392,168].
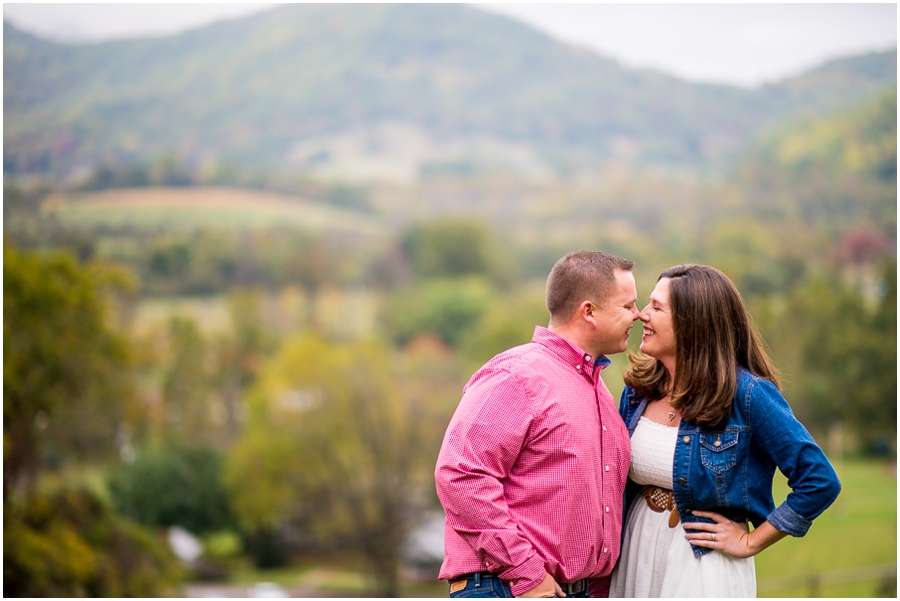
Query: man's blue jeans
[492,587]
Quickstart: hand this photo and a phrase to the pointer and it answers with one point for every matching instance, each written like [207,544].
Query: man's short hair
[579,276]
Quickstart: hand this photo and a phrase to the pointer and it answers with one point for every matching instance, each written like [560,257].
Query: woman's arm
[731,538]
[811,477]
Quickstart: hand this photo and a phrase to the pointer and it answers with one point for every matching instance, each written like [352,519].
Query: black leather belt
[570,588]
[573,588]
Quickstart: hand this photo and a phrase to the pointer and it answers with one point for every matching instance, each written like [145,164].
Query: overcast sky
[741,44]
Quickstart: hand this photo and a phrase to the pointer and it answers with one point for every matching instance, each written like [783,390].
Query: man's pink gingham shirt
[532,469]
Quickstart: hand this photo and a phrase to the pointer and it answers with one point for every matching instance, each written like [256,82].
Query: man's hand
[547,588]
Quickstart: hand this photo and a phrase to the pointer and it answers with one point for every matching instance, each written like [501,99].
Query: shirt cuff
[522,578]
[788,521]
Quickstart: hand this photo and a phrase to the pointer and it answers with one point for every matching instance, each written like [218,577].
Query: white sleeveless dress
[657,561]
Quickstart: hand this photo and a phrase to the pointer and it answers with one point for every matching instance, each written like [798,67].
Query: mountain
[838,172]
[391,89]
[834,86]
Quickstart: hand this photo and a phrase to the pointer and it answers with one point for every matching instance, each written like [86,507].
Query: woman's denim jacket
[730,470]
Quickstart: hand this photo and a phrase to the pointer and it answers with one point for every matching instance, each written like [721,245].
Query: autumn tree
[238,354]
[332,454]
[67,378]
[186,383]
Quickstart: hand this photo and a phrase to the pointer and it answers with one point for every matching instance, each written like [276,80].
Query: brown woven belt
[662,499]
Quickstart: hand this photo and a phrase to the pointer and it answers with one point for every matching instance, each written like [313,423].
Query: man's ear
[587,311]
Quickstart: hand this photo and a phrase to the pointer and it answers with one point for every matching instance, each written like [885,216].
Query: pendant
[671,416]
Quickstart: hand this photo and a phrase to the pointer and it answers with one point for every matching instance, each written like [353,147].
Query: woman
[708,426]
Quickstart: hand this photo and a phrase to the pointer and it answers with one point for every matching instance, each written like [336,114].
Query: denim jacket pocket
[719,450]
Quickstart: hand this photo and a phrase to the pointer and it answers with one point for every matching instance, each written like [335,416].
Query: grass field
[850,548]
[848,552]
[180,208]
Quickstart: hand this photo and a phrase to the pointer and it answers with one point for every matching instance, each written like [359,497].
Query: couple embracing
[550,491]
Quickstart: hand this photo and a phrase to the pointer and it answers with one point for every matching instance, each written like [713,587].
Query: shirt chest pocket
[719,450]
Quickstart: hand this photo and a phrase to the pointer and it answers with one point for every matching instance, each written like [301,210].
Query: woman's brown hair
[714,335]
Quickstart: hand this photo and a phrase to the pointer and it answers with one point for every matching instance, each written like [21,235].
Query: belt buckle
[659,499]
[573,588]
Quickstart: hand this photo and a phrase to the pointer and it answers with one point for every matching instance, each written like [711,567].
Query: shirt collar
[568,352]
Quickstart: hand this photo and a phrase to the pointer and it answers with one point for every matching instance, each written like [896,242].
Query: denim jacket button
[686,440]
[681,480]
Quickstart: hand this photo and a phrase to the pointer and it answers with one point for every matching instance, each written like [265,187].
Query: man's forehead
[625,289]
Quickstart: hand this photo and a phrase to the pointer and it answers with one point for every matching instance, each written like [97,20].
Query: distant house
[423,551]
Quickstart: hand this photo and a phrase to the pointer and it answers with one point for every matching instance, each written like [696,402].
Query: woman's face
[659,331]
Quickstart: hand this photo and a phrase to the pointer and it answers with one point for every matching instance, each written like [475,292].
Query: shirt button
[604,428]
[607,510]
[587,358]
[605,549]
[578,367]
[607,468]
[686,440]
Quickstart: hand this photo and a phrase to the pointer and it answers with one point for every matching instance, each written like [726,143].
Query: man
[533,464]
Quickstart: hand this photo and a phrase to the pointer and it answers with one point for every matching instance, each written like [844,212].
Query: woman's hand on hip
[729,537]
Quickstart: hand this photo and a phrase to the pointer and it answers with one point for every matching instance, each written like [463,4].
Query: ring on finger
[714,536]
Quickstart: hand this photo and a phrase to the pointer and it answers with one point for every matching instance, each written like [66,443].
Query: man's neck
[573,335]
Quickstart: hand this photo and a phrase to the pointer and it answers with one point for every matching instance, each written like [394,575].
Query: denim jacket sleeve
[813,481]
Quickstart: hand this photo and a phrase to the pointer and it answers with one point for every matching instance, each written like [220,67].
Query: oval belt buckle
[674,517]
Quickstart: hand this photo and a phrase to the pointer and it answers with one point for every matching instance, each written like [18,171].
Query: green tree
[67,371]
[453,247]
[169,170]
[874,410]
[847,357]
[447,307]
[173,484]
[509,322]
[186,389]
[19,203]
[330,451]
[760,258]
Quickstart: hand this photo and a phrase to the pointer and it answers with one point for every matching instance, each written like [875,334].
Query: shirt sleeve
[813,481]
[483,441]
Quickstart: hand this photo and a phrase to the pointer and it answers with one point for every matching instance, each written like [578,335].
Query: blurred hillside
[385,92]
